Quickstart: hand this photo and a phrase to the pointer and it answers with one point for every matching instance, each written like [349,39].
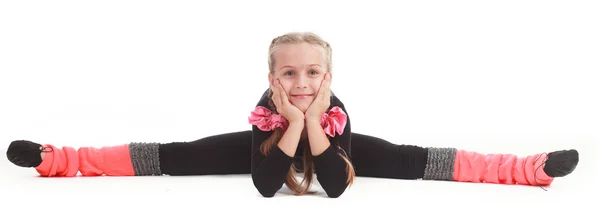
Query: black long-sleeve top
[269,172]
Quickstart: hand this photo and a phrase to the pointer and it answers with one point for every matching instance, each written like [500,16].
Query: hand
[322,101]
[283,105]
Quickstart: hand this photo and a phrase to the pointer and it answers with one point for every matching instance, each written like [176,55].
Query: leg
[375,157]
[228,153]
[218,154]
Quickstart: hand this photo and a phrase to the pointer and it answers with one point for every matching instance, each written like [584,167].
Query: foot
[25,153]
[561,163]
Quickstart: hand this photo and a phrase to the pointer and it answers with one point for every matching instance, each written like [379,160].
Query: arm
[269,172]
[329,166]
[290,139]
[317,138]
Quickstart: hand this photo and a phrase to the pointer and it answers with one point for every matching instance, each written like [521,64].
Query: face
[300,68]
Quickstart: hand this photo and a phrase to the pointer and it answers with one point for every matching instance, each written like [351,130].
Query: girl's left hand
[322,101]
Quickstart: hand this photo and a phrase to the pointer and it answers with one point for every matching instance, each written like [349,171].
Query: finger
[275,96]
[283,94]
[328,86]
[323,90]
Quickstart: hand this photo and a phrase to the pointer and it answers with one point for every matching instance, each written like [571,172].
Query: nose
[302,82]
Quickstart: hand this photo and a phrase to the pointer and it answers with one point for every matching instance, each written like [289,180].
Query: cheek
[287,86]
[316,85]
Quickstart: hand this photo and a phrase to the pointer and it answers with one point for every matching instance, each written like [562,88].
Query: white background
[496,77]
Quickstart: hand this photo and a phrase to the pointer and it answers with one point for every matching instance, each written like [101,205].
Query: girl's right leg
[227,153]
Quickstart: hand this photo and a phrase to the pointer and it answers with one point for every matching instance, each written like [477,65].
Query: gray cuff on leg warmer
[145,158]
[440,164]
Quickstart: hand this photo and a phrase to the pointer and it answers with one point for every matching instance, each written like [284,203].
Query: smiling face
[300,68]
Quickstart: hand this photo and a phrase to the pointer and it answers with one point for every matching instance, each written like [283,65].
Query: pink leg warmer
[500,168]
[66,162]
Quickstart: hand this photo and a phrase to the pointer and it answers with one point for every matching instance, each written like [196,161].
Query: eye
[314,72]
[288,73]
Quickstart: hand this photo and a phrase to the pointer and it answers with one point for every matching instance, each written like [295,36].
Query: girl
[298,125]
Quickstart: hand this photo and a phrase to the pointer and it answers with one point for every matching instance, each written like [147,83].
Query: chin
[302,108]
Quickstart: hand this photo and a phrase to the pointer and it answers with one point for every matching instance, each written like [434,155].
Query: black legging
[230,153]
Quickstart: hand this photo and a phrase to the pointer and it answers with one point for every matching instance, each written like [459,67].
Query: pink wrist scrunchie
[332,121]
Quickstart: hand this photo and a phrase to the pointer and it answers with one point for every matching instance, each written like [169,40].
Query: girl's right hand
[283,105]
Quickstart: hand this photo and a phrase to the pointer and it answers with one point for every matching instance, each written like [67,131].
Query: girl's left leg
[375,157]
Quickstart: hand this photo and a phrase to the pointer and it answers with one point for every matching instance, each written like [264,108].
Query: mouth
[302,96]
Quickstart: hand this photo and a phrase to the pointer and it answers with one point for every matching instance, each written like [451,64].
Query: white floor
[22,185]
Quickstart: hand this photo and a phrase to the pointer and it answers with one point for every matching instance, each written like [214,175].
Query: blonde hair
[291,181]
[298,38]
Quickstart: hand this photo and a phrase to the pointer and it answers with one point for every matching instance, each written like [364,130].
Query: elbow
[336,191]
[265,188]
[266,192]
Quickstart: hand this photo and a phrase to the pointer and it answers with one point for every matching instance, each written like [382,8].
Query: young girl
[298,125]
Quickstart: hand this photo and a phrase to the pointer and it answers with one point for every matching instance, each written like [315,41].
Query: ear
[270,77]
